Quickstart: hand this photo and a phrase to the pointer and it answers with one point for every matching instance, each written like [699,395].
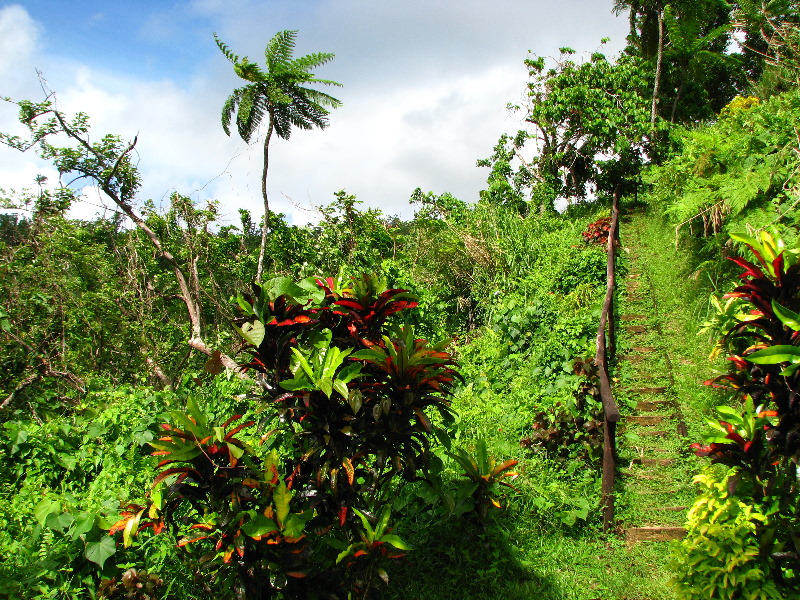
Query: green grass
[527,552]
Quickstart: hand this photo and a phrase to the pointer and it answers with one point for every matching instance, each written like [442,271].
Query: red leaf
[750,269]
[238,429]
[231,420]
[167,472]
[185,541]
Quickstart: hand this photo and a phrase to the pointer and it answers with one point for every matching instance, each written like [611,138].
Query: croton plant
[761,326]
[352,397]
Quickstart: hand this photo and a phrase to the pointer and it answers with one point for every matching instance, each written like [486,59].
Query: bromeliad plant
[763,442]
[365,555]
[485,475]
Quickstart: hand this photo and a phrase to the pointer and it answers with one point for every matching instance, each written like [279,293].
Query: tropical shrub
[331,358]
[485,475]
[597,232]
[761,441]
[572,428]
[229,509]
[720,555]
[352,387]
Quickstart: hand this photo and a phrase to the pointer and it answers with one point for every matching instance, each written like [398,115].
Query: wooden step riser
[654,534]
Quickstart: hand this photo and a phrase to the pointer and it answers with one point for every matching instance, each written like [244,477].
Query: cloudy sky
[425,85]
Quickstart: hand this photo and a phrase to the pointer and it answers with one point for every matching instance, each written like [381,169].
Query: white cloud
[426,88]
[18,40]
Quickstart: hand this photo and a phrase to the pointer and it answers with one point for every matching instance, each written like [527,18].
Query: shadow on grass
[464,560]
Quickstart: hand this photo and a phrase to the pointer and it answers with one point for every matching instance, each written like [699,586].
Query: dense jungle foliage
[409,408]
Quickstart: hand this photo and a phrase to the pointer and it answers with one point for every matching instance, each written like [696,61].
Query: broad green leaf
[244,304]
[296,522]
[482,457]
[295,384]
[59,522]
[395,541]
[443,437]
[100,551]
[355,398]
[235,450]
[341,387]
[351,549]
[775,355]
[790,370]
[281,496]
[45,508]
[198,414]
[303,364]
[283,286]
[84,523]
[253,333]
[259,526]
[745,239]
[731,414]
[131,528]
[383,522]
[365,522]
[788,317]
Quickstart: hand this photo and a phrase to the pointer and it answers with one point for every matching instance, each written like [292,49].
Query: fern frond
[229,108]
[278,52]
[278,94]
[321,98]
[311,61]
[226,50]
[246,121]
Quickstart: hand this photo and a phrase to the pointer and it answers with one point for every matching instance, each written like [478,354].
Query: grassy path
[660,367]
[526,553]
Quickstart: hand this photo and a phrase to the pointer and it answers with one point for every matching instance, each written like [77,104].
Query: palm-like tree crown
[280,92]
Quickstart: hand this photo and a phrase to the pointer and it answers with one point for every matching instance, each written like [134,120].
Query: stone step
[653,462]
[649,390]
[633,357]
[670,508]
[654,534]
[633,317]
[650,405]
[636,329]
[645,420]
[644,349]
[651,433]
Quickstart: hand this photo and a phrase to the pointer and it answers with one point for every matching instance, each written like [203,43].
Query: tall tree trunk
[265,226]
[675,103]
[659,57]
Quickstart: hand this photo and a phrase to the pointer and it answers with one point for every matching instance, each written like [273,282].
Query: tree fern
[277,96]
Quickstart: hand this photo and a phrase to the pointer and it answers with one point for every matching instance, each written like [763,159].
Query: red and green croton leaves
[766,369]
[240,505]
[340,369]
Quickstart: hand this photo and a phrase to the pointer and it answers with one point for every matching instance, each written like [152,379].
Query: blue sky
[144,38]
[426,83]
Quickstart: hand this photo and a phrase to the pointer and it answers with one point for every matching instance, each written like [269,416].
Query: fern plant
[281,96]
